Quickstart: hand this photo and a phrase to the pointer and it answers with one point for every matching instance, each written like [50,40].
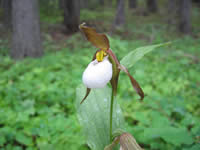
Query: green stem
[111,114]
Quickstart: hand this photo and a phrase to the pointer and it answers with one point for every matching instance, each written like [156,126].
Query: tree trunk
[7,13]
[71,15]
[185,16]
[196,1]
[26,40]
[152,6]
[132,4]
[109,3]
[83,3]
[172,12]
[61,4]
[120,16]
[101,2]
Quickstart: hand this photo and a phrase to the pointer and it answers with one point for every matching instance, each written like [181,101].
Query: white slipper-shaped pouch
[97,74]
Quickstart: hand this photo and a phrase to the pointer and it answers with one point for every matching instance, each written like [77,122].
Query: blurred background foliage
[37,96]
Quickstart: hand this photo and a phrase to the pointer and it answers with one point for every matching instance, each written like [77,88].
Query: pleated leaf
[131,58]
[93,115]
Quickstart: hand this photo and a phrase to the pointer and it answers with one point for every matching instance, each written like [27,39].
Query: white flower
[97,74]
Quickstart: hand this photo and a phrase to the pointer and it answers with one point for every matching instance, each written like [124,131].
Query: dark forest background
[43,55]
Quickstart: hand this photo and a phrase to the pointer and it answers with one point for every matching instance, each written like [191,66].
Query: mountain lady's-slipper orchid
[105,66]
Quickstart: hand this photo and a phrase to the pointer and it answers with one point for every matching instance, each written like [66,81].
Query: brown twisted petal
[134,83]
[86,95]
[98,40]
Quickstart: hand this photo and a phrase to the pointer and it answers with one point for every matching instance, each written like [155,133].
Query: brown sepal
[115,63]
[86,95]
[98,40]
[134,83]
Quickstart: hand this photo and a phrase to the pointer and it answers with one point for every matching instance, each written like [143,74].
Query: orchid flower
[104,67]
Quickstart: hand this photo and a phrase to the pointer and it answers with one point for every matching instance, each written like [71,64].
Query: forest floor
[37,95]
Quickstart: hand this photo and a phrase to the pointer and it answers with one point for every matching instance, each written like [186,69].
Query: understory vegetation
[37,109]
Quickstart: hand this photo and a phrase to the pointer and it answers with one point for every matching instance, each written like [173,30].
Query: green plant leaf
[2,140]
[93,115]
[129,60]
[23,139]
[194,147]
[175,136]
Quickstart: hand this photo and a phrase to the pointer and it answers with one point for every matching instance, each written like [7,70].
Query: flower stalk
[111,114]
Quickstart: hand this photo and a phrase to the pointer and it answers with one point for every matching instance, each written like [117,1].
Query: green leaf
[2,140]
[17,148]
[23,139]
[129,60]
[175,136]
[93,115]
[194,147]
